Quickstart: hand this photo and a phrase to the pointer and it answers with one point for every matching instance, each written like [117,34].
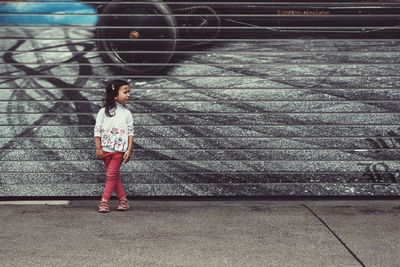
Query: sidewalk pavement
[203,233]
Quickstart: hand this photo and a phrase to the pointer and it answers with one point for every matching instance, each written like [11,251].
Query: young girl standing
[113,136]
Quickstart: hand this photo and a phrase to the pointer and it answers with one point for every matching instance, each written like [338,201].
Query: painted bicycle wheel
[137,38]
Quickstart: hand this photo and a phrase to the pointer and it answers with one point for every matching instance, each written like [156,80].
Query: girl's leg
[119,188]
[113,162]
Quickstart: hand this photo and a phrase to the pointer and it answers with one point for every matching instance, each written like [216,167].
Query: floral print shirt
[114,131]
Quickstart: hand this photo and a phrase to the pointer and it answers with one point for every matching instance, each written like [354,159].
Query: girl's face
[123,94]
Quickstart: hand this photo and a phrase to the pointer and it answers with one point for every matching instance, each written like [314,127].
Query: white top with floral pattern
[114,131]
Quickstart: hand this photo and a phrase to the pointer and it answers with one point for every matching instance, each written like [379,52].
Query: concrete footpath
[202,233]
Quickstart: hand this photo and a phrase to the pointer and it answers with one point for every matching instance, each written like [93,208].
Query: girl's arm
[128,153]
[130,143]
[99,150]
[98,130]
[97,141]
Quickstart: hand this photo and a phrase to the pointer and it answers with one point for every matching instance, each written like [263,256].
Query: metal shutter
[254,98]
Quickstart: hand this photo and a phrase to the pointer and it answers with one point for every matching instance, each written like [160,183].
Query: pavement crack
[335,235]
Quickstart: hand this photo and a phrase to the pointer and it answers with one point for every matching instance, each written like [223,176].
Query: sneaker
[123,204]
[103,206]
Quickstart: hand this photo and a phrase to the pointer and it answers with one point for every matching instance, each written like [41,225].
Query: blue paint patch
[61,13]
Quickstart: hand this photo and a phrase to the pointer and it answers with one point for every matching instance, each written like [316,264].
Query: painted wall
[249,113]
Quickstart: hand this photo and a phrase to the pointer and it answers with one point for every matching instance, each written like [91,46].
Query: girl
[113,136]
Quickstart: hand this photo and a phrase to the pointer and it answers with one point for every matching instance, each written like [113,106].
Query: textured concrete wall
[258,117]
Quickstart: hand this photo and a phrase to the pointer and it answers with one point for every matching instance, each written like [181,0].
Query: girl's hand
[99,153]
[127,156]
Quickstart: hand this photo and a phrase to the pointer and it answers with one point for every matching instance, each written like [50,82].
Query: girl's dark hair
[112,89]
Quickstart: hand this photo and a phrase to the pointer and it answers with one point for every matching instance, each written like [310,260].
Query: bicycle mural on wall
[251,97]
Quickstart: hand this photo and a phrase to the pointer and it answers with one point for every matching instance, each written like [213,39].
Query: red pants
[113,161]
